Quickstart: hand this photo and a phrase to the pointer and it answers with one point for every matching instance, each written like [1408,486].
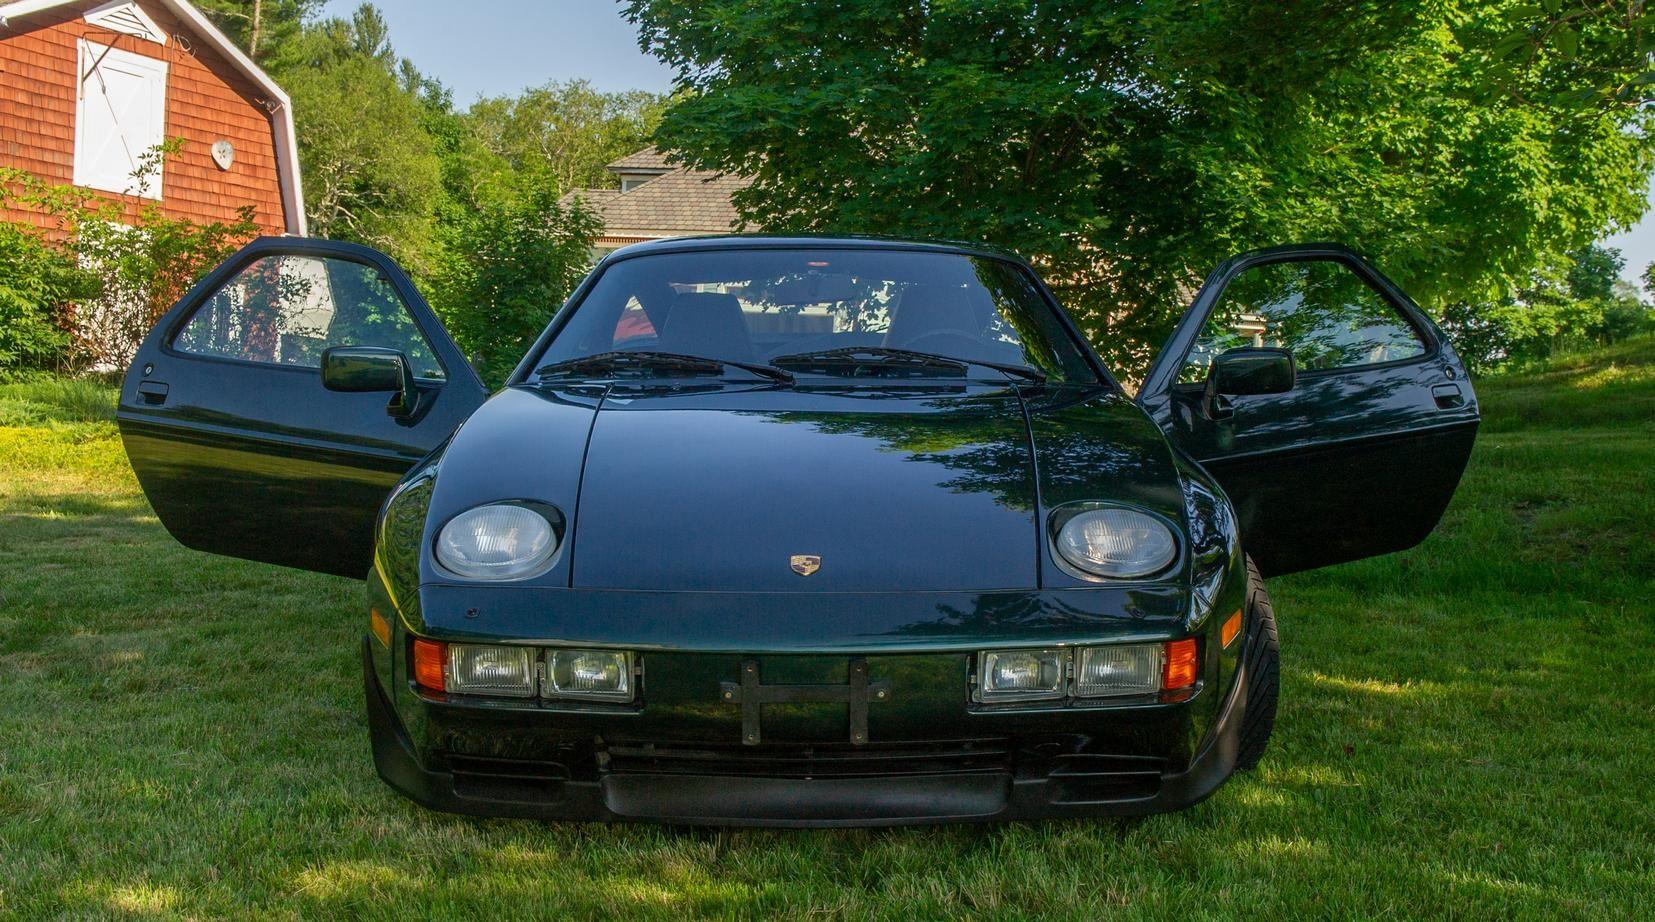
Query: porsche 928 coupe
[781,531]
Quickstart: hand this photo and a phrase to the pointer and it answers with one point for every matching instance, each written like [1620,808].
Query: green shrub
[37,285]
[1574,306]
[504,269]
[111,276]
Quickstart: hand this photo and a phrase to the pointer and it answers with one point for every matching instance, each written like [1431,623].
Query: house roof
[678,202]
[648,160]
[281,116]
[812,241]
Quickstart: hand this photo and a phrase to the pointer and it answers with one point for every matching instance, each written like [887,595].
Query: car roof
[801,241]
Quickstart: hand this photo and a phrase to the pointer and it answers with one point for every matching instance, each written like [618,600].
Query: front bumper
[1048,767]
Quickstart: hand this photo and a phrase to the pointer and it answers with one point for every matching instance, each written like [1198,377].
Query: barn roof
[281,116]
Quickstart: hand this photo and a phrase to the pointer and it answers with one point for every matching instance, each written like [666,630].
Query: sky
[1637,244]
[498,47]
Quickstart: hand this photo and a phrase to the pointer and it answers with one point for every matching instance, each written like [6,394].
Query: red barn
[88,87]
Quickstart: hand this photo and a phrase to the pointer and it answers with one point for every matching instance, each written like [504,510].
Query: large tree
[566,132]
[1130,146]
[259,26]
[371,169]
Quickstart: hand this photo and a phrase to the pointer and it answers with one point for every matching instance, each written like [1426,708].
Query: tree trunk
[253,36]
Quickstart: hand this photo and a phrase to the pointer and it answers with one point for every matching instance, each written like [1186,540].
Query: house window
[120,117]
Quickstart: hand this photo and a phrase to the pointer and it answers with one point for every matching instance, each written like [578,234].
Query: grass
[1467,729]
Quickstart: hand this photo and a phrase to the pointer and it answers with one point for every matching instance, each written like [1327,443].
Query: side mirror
[355,369]
[1246,371]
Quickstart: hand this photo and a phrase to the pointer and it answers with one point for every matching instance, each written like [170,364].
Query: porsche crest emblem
[806,564]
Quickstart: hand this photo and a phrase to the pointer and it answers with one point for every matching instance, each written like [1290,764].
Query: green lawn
[1467,729]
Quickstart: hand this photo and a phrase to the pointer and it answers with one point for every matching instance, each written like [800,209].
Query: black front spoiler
[715,800]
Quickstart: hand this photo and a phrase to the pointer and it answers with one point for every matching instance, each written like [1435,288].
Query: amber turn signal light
[1182,667]
[380,627]
[430,660]
[1230,628]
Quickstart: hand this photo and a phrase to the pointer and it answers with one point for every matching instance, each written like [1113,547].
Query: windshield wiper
[884,355]
[656,361]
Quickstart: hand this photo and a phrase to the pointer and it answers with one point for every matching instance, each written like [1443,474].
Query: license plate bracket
[857,693]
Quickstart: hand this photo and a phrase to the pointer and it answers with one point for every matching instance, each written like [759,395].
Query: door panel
[1362,456]
[240,449]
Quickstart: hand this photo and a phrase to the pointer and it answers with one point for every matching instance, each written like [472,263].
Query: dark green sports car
[803,531]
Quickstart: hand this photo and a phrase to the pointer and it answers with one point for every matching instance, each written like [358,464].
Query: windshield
[758,305]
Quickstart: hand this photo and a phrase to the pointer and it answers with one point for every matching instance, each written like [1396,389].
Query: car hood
[738,488]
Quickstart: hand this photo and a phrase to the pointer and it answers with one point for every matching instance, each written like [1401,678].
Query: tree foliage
[566,132]
[387,156]
[467,201]
[1574,303]
[259,25]
[372,173]
[1130,147]
[103,278]
[505,268]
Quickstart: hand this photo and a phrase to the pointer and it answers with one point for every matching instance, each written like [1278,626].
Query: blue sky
[1637,244]
[496,47]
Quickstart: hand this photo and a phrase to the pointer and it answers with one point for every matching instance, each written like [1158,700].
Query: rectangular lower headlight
[1118,669]
[482,669]
[1022,675]
[591,675]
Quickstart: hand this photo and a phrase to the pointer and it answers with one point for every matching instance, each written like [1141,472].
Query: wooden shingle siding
[207,99]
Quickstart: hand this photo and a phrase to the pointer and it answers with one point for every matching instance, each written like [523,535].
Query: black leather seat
[707,324]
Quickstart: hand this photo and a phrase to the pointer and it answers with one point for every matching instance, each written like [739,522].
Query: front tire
[1263,671]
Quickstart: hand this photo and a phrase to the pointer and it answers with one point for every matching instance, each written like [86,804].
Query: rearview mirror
[354,369]
[1246,371]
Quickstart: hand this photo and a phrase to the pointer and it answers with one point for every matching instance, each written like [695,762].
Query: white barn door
[120,115]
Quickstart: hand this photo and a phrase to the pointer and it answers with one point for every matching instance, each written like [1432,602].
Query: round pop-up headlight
[497,541]
[1112,542]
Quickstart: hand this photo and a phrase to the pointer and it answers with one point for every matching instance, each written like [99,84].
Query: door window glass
[285,310]
[1321,311]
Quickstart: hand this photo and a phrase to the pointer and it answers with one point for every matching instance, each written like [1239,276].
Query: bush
[1575,306]
[504,269]
[142,269]
[37,285]
[110,278]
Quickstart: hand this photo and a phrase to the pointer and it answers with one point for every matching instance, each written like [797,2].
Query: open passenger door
[271,410]
[1326,403]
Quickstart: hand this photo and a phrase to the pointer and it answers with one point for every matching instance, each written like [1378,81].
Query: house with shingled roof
[658,199]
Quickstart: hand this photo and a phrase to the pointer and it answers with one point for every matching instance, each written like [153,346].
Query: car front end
[717,679]
[852,732]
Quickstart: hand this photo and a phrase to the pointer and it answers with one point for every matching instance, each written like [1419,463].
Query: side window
[1320,310]
[285,310]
